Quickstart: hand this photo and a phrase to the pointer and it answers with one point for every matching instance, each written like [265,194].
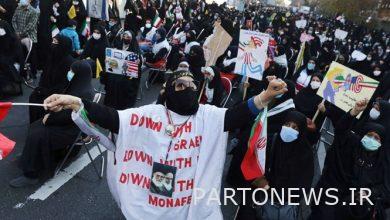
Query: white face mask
[374,114]
[148,25]
[75,2]
[377,72]
[2,32]
[315,84]
[96,36]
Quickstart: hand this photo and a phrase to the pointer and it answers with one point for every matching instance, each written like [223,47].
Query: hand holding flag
[6,106]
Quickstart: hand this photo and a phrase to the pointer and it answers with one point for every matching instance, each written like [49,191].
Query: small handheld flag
[253,164]
[6,146]
[99,68]
[6,106]
[72,12]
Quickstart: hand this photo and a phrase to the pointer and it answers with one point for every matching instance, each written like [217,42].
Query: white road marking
[63,177]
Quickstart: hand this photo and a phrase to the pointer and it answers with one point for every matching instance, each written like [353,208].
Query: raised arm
[101,115]
[345,123]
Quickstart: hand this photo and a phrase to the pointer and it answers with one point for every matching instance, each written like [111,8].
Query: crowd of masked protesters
[67,62]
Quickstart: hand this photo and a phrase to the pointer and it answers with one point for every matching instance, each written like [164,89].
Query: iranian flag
[157,21]
[85,29]
[253,164]
[81,119]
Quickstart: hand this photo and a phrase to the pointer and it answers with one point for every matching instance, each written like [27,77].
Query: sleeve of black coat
[344,124]
[61,118]
[238,116]
[103,116]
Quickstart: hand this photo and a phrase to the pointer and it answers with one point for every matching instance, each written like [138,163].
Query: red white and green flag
[84,29]
[253,164]
[157,21]
[81,120]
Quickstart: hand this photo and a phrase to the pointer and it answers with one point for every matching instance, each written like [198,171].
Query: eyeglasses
[181,84]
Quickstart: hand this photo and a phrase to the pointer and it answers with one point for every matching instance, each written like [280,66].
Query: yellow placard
[343,87]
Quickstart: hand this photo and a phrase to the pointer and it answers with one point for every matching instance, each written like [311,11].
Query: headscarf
[307,100]
[81,85]
[58,64]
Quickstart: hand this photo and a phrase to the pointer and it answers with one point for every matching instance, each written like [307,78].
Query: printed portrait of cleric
[163,179]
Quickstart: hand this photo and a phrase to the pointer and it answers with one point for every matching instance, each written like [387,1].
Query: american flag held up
[131,63]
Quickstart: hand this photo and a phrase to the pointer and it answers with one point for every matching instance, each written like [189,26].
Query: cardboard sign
[340,34]
[343,87]
[252,54]
[216,44]
[122,62]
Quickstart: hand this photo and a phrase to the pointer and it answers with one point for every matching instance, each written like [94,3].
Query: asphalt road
[82,197]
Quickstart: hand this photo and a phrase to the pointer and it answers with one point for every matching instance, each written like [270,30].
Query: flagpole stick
[28,104]
[245,88]
[200,33]
[316,114]
[201,91]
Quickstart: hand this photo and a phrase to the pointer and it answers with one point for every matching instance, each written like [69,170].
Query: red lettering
[157,126]
[187,162]
[181,184]
[141,156]
[183,144]
[153,200]
[177,203]
[169,202]
[149,123]
[123,178]
[190,184]
[136,178]
[188,127]
[183,201]
[192,144]
[134,119]
[161,202]
[198,140]
[141,121]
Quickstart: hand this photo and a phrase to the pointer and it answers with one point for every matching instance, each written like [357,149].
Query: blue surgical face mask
[370,144]
[288,134]
[70,75]
[311,66]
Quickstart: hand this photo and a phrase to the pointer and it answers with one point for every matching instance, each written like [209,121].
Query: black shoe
[23,181]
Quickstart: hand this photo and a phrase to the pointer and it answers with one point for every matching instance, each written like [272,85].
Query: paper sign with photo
[122,62]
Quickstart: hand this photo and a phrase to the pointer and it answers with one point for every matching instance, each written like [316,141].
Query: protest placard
[301,23]
[216,44]
[343,87]
[98,9]
[252,54]
[122,62]
[340,34]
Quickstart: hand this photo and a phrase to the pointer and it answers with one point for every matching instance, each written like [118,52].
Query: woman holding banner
[121,91]
[182,141]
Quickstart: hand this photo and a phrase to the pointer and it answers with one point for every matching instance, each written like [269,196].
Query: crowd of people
[69,59]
